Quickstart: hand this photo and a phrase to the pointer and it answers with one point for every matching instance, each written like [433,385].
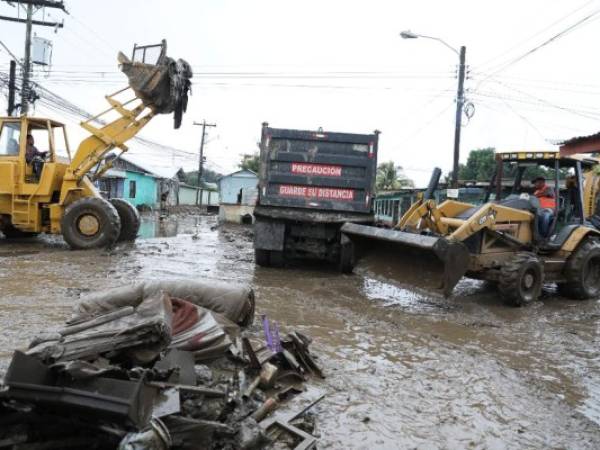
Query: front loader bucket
[159,81]
[417,255]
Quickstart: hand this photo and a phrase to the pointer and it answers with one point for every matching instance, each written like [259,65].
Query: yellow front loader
[509,240]
[40,192]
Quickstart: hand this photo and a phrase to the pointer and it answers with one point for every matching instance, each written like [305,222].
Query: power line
[552,39]
[574,110]
[519,44]
[61,105]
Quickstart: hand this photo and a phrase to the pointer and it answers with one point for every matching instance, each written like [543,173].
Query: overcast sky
[340,65]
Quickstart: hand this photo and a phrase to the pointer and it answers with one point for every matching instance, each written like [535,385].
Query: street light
[460,97]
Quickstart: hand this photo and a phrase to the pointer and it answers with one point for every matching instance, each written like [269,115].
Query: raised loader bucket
[416,256]
[159,81]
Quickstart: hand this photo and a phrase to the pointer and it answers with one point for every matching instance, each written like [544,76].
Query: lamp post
[460,96]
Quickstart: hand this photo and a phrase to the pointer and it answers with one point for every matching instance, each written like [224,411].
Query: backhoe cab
[511,239]
[44,188]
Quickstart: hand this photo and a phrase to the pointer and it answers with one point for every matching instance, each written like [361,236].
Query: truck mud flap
[423,259]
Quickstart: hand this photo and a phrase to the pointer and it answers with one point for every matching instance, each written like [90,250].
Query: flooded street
[405,369]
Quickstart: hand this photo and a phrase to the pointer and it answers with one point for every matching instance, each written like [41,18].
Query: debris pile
[158,365]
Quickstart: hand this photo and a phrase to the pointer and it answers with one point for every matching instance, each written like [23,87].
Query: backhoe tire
[582,272]
[521,279]
[130,219]
[91,223]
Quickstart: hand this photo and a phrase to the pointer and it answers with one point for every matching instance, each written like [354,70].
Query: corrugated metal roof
[581,139]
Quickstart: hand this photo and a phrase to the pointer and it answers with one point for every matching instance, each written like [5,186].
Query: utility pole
[201,161]
[12,73]
[460,101]
[29,22]
[27,62]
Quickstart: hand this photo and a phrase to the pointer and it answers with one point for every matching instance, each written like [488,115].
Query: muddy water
[407,369]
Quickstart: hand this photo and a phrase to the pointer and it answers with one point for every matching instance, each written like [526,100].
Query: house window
[131,188]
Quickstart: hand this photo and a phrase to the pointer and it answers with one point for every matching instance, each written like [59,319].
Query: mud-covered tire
[90,223]
[10,232]
[521,279]
[262,257]
[582,272]
[130,219]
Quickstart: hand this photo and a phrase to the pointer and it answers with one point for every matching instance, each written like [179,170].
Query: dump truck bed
[317,170]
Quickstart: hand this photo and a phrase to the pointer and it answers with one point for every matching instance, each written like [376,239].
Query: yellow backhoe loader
[40,192]
[510,239]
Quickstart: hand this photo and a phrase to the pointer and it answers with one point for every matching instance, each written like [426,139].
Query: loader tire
[521,279]
[582,272]
[130,219]
[90,223]
[10,232]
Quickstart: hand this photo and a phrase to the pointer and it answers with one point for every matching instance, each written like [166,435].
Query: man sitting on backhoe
[34,157]
[546,196]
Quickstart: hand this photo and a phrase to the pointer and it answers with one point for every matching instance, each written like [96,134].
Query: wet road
[406,369]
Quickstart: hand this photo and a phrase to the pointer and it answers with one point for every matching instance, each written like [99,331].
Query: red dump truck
[310,184]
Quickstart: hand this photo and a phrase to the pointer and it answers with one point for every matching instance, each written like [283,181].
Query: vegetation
[481,165]
[390,177]
[208,176]
[250,161]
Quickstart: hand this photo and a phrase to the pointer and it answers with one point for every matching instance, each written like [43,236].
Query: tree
[390,177]
[250,161]
[480,166]
[209,176]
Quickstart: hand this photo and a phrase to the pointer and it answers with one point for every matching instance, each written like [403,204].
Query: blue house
[131,182]
[238,192]
[232,186]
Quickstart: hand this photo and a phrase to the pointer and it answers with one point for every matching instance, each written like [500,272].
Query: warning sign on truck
[316,192]
[323,170]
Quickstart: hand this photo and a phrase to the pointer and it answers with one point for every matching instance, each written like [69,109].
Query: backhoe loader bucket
[159,81]
[418,257]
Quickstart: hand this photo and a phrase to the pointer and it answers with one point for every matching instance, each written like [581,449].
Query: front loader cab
[16,134]
[48,138]
[564,177]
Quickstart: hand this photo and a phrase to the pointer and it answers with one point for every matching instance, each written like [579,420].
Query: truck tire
[521,279]
[90,223]
[262,257]
[130,219]
[276,258]
[582,272]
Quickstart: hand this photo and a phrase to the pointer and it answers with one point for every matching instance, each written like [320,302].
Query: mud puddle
[406,369]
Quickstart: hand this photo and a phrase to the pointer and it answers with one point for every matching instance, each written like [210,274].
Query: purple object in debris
[267,331]
[276,340]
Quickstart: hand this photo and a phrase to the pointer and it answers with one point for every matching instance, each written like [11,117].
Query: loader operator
[34,157]
[545,195]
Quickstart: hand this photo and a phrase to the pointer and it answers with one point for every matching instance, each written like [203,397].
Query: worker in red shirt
[545,195]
